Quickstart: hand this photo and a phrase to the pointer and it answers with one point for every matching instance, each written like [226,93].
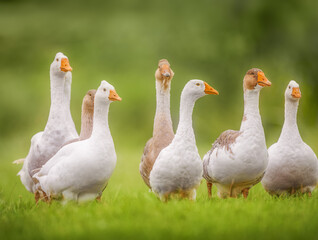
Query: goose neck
[67,90]
[252,118]
[290,127]
[163,98]
[86,123]
[162,117]
[185,129]
[57,95]
[100,125]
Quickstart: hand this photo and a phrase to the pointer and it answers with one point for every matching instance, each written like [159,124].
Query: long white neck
[252,119]
[67,90]
[162,116]
[100,126]
[67,98]
[185,129]
[57,99]
[290,130]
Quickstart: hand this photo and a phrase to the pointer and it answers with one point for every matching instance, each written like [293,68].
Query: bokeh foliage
[122,41]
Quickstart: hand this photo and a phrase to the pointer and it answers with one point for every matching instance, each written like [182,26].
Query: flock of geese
[62,165]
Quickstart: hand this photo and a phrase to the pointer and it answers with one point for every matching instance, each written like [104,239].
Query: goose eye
[57,59]
[90,95]
[289,87]
[104,89]
[198,84]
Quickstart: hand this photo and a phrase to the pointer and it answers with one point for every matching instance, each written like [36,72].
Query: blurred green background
[121,41]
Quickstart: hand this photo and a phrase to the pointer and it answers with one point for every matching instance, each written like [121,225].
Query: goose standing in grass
[86,120]
[178,168]
[162,129]
[238,159]
[80,171]
[57,132]
[292,166]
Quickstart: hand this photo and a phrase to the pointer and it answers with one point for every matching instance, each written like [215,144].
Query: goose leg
[37,196]
[245,192]
[99,198]
[209,186]
[231,188]
[309,194]
[292,191]
[41,195]
[164,197]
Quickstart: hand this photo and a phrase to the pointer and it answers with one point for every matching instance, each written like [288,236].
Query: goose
[80,171]
[162,129]
[46,143]
[238,159]
[86,120]
[177,172]
[87,117]
[292,166]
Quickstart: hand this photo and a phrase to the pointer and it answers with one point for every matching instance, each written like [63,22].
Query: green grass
[129,210]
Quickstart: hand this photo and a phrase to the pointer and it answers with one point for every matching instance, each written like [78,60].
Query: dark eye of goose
[289,87]
[104,89]
[57,59]
[198,84]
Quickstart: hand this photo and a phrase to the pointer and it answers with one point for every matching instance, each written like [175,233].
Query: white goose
[292,166]
[45,144]
[80,171]
[178,168]
[238,159]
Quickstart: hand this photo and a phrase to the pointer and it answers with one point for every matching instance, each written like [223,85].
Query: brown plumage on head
[164,73]
[253,77]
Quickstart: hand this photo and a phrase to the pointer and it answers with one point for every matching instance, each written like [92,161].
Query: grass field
[129,210]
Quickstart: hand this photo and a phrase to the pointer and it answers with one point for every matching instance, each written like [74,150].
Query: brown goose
[162,130]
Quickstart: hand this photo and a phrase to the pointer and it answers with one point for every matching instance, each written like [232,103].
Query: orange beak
[113,96]
[296,92]
[262,80]
[65,65]
[210,90]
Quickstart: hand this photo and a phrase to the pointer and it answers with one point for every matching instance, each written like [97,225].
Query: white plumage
[80,171]
[178,168]
[293,166]
[238,159]
[60,127]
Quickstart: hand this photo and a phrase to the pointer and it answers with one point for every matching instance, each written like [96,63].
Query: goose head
[164,73]
[60,64]
[198,88]
[255,80]
[106,93]
[292,91]
[88,101]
